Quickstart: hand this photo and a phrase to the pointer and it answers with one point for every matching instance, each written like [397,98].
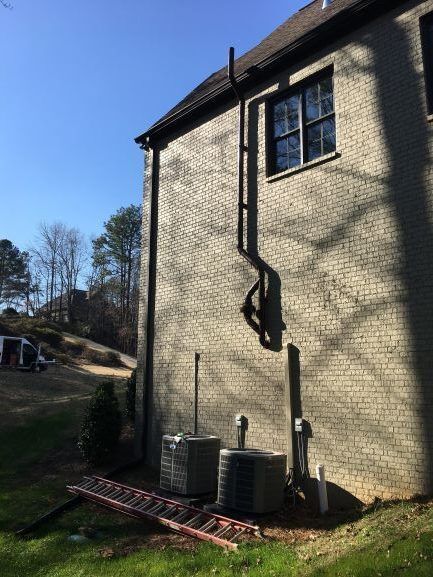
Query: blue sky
[80,79]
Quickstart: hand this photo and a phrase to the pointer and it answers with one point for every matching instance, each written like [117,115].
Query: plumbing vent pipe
[326,3]
[321,486]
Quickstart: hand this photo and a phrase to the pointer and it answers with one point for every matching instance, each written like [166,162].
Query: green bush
[100,429]
[130,395]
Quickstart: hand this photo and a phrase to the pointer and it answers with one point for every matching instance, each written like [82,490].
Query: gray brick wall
[349,246]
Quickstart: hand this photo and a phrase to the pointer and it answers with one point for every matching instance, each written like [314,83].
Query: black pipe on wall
[248,309]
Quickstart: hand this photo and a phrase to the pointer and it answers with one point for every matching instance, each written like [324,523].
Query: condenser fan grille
[251,480]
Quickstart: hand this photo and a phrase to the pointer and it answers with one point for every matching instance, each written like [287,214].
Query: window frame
[425,23]
[298,88]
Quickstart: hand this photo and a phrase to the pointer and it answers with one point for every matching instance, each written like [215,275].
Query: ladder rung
[148,503]
[105,492]
[169,511]
[223,530]
[116,494]
[159,508]
[182,515]
[124,498]
[193,520]
[129,501]
[134,501]
[207,526]
[86,484]
[238,534]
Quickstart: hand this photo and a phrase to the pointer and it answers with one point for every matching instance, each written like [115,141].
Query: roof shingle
[294,30]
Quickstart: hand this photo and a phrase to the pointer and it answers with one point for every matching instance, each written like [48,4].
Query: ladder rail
[155,508]
[224,520]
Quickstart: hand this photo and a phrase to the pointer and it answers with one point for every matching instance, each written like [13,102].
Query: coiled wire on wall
[301,455]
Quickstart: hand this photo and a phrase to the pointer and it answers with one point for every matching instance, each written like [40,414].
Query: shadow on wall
[406,155]
[338,498]
[274,322]
[406,137]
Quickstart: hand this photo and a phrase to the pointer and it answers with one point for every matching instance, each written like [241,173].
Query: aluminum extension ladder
[183,519]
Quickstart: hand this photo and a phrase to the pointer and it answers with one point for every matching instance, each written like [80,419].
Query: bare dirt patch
[99,370]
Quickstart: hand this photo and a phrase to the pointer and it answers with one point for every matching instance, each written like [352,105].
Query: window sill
[306,166]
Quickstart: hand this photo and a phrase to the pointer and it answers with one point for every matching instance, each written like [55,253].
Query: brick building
[338,223]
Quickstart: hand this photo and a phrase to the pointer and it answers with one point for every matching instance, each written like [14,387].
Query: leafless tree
[72,259]
[47,253]
[59,257]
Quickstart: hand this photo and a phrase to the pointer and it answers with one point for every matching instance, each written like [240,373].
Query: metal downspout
[248,308]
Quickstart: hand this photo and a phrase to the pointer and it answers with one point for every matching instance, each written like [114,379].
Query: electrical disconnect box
[298,425]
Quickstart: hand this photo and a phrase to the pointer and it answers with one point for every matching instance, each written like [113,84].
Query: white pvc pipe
[321,487]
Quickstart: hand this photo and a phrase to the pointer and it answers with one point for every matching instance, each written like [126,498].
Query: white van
[19,353]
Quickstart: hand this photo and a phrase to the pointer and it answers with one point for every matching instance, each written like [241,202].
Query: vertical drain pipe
[248,307]
[196,361]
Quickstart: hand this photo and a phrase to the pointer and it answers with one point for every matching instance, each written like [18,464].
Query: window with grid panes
[427,46]
[303,124]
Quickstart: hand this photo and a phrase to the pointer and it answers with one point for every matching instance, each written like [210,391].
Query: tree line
[92,287]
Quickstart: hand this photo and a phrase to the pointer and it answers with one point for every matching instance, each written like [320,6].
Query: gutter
[143,421]
[345,22]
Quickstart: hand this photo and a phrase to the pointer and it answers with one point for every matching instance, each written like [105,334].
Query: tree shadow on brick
[274,322]
[406,137]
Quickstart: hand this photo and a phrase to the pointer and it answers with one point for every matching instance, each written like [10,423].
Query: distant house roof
[78,297]
[307,30]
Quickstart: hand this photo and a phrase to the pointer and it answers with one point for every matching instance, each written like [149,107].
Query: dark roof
[305,28]
[78,296]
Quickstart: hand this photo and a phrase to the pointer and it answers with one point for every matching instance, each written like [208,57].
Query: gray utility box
[189,466]
[251,480]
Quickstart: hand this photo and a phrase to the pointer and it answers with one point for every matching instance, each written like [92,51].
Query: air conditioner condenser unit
[251,480]
[189,464]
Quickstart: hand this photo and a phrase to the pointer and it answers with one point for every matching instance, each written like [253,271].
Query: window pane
[286,116]
[325,87]
[315,132]
[281,156]
[326,97]
[321,138]
[280,121]
[294,144]
[427,44]
[329,136]
[314,149]
[312,102]
[293,112]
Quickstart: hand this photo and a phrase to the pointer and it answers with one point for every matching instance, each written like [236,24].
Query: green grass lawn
[38,458]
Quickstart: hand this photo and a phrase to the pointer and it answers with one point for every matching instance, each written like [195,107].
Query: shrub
[100,429]
[106,359]
[130,395]
[10,312]
[48,335]
[74,349]
[112,359]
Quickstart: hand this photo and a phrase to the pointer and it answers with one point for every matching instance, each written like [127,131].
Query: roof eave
[356,15]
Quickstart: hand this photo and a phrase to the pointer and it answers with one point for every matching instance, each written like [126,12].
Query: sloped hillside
[49,335]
